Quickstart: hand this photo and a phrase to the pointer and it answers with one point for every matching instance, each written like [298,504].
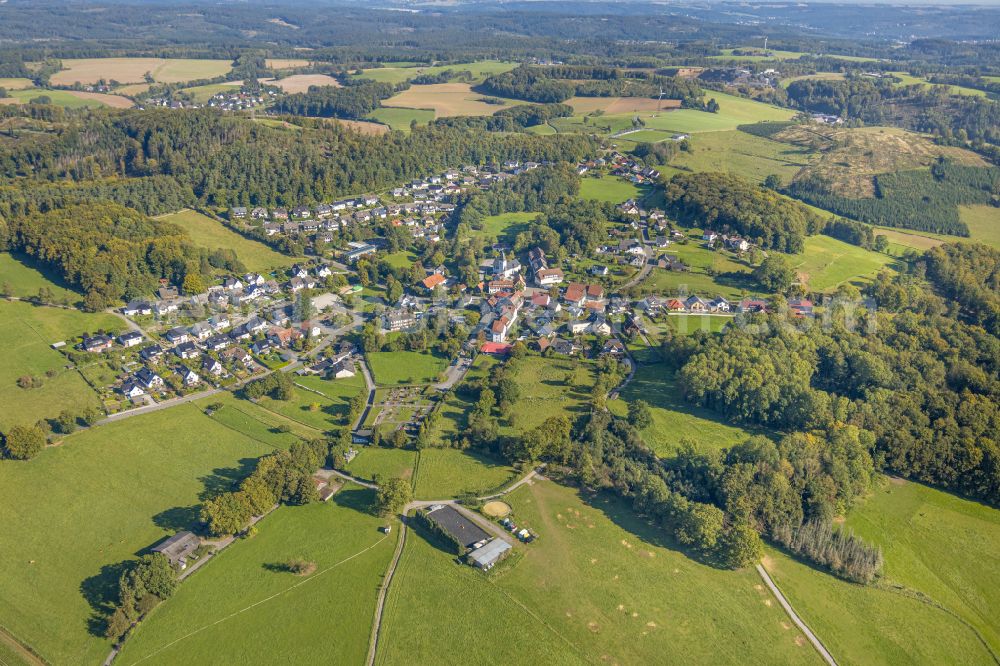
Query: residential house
[501,327]
[719,304]
[201,330]
[433,280]
[578,327]
[546,277]
[236,354]
[599,325]
[696,304]
[186,350]
[801,307]
[134,308]
[211,366]
[613,347]
[161,308]
[340,370]
[151,354]
[190,377]
[259,213]
[399,320]
[219,322]
[148,378]
[130,338]
[217,342]
[97,343]
[564,347]
[753,305]
[177,335]
[239,212]
[132,389]
[167,292]
[598,270]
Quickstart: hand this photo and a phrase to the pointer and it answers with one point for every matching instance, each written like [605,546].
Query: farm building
[178,548]
[460,528]
[486,556]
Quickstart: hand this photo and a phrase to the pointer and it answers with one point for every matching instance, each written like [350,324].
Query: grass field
[212,234]
[742,154]
[446,99]
[402,259]
[479,70]
[445,473]
[504,226]
[202,94]
[984,223]
[730,278]
[331,398]
[27,332]
[71,99]
[246,418]
[324,617]
[372,460]
[674,419]
[133,70]
[903,239]
[827,263]
[405,367]
[609,188]
[943,546]
[76,511]
[598,586]
[400,119]
[24,278]
[285,63]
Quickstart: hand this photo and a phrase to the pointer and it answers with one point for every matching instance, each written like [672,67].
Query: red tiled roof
[495,348]
[434,280]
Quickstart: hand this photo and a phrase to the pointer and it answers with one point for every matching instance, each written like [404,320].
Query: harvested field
[445,99]
[133,70]
[114,101]
[15,83]
[612,105]
[285,63]
[300,82]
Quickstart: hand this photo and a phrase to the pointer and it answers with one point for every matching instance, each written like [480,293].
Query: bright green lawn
[862,625]
[399,118]
[827,263]
[57,97]
[674,419]
[254,422]
[609,188]
[95,501]
[731,278]
[375,460]
[27,331]
[24,278]
[946,547]
[212,234]
[323,618]
[405,367]
[202,94]
[402,259]
[318,403]
[598,586]
[504,225]
[984,223]
[447,473]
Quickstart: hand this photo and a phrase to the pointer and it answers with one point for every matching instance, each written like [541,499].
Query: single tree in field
[393,494]
[24,442]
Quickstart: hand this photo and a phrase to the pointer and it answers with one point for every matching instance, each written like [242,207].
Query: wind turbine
[659,100]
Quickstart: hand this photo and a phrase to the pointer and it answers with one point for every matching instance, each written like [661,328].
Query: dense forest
[923,385]
[730,204]
[921,199]
[969,274]
[351,101]
[231,160]
[511,119]
[106,250]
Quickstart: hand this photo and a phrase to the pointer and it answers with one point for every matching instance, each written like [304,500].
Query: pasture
[941,545]
[741,154]
[674,419]
[301,82]
[212,234]
[618,105]
[22,277]
[133,70]
[27,332]
[76,511]
[400,118]
[10,83]
[446,99]
[599,585]
[374,460]
[984,223]
[318,403]
[610,188]
[446,473]
[253,422]
[71,99]
[405,367]
[325,617]
[827,263]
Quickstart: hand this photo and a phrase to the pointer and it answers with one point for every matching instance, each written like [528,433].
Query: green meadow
[399,118]
[643,600]
[27,332]
[405,367]
[609,188]
[742,154]
[201,94]
[984,223]
[318,403]
[827,263]
[445,473]
[23,278]
[373,461]
[212,234]
[504,226]
[324,617]
[75,512]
